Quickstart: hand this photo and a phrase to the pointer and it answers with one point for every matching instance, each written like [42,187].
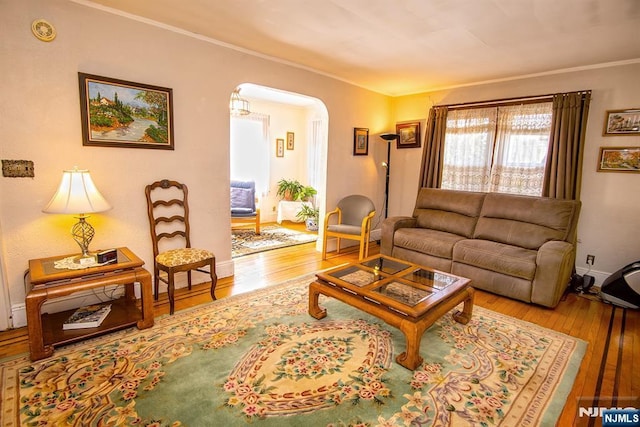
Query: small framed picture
[619,159]
[409,135]
[622,122]
[279,147]
[290,137]
[360,141]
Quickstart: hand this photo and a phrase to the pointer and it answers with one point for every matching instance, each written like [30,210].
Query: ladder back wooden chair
[168,211]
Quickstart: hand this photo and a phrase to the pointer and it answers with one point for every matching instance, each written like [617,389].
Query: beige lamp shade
[77,194]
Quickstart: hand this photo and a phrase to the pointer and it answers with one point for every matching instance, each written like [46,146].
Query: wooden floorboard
[580,316]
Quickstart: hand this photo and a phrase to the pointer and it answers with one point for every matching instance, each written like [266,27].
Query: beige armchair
[352,220]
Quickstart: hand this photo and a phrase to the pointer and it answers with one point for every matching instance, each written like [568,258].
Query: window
[497,149]
[249,154]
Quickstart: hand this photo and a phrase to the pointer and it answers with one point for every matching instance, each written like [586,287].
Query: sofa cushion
[525,221]
[448,210]
[498,257]
[426,241]
[242,199]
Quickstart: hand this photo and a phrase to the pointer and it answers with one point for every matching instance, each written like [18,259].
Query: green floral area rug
[246,241]
[259,359]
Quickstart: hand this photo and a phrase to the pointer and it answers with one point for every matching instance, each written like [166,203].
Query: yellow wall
[610,203]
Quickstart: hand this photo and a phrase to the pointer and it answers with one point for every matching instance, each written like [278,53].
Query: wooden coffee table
[405,295]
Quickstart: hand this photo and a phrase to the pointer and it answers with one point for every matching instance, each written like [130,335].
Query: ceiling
[399,47]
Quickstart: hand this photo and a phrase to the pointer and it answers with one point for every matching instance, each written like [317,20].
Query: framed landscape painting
[619,159]
[622,122]
[290,136]
[118,113]
[409,135]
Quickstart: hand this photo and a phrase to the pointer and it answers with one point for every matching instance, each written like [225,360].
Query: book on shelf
[90,316]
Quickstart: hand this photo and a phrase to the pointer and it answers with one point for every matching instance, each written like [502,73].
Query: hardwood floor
[612,333]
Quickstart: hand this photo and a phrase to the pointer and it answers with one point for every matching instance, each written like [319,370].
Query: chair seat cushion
[175,257]
[345,229]
[242,212]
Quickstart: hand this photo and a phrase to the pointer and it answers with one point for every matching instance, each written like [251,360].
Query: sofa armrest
[389,227]
[554,266]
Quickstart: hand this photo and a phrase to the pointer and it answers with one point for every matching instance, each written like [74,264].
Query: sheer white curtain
[497,149]
[250,150]
[521,149]
[468,146]
[316,157]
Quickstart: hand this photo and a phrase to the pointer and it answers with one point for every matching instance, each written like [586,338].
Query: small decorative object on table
[107,257]
[90,316]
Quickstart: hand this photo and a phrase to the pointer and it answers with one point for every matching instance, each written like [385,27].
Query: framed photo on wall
[619,159]
[290,136]
[622,122]
[409,135]
[279,147]
[118,113]
[360,141]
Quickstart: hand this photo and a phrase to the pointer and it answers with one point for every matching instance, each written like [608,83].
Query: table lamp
[77,194]
[388,137]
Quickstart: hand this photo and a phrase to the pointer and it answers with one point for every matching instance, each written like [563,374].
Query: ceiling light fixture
[237,104]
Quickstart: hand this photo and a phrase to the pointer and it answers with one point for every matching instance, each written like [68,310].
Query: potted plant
[289,189]
[307,193]
[310,215]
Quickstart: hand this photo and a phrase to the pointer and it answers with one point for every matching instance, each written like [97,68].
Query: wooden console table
[45,282]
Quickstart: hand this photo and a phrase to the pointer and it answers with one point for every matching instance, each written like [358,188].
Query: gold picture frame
[279,147]
[619,159]
[622,122]
[290,138]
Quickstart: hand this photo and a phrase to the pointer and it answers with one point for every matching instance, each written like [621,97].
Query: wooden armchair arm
[366,222]
[330,214]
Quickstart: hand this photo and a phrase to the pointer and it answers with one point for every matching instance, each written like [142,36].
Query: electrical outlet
[591,259]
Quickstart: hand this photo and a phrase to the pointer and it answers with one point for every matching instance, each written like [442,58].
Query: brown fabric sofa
[518,246]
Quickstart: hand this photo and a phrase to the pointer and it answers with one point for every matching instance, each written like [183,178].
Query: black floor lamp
[388,137]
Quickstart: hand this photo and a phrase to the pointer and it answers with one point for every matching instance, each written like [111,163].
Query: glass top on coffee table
[385,278]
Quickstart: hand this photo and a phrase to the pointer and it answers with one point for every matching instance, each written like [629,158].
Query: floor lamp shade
[78,195]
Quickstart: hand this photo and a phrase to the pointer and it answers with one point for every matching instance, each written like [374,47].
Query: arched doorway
[301,123]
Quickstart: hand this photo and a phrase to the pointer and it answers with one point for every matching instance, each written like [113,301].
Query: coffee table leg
[314,308]
[465,315]
[413,332]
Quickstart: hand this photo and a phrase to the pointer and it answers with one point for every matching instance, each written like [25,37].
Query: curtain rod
[505,101]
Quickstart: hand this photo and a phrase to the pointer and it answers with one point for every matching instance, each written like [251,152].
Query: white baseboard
[95,296]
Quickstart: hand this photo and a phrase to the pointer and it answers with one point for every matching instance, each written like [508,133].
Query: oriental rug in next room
[259,359]
[246,241]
